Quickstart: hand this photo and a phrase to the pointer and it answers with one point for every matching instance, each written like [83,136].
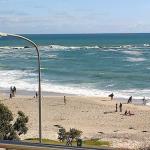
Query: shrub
[73,133]
[8,130]
[62,134]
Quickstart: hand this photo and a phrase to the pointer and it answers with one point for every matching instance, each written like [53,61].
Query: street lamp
[39,77]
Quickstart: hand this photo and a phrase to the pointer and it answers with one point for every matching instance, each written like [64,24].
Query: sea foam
[134,59]
[136,53]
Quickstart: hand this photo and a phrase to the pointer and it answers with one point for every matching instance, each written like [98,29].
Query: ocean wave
[27,80]
[134,59]
[64,47]
[60,47]
[136,53]
[52,56]
[13,77]
[127,46]
[97,47]
[11,47]
[146,45]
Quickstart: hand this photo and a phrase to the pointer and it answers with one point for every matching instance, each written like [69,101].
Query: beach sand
[95,116]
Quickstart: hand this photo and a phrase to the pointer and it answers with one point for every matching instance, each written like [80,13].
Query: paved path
[37,146]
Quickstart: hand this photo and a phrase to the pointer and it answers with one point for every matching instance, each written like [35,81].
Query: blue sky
[74,16]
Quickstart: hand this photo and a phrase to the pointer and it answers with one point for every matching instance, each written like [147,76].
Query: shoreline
[25,93]
[32,93]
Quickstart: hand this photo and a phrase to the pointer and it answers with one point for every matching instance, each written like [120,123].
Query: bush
[73,133]
[8,130]
[62,134]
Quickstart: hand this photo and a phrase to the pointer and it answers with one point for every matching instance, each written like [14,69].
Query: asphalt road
[39,146]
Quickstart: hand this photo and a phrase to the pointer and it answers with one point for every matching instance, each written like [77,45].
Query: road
[38,146]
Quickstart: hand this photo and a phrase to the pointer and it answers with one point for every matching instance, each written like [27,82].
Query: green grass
[96,142]
[86,143]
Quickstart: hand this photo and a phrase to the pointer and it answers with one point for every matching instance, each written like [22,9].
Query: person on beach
[120,107]
[10,96]
[116,107]
[144,100]
[126,112]
[36,94]
[11,89]
[65,100]
[111,96]
[129,100]
[14,89]
[129,113]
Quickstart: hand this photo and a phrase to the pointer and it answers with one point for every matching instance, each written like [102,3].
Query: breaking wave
[134,59]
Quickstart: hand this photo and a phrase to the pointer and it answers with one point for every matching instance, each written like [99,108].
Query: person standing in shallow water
[111,96]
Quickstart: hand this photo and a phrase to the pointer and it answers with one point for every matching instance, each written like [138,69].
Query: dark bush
[8,129]
[73,133]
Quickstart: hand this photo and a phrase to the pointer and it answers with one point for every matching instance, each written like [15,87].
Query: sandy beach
[95,116]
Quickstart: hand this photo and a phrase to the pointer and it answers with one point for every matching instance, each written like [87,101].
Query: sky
[74,16]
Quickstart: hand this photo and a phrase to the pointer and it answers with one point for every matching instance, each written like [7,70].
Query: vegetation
[62,134]
[86,143]
[11,129]
[73,133]
[96,142]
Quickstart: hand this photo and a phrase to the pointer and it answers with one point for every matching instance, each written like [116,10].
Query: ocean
[79,64]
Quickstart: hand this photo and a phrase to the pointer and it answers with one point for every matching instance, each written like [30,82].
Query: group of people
[36,95]
[120,107]
[128,113]
[12,92]
[129,100]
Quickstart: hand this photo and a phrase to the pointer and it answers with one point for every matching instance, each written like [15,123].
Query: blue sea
[79,64]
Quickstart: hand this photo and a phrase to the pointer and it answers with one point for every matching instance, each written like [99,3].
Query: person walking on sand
[120,106]
[111,96]
[116,107]
[129,100]
[65,100]
[10,96]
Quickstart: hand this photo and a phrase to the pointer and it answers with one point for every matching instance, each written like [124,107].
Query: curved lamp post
[39,77]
